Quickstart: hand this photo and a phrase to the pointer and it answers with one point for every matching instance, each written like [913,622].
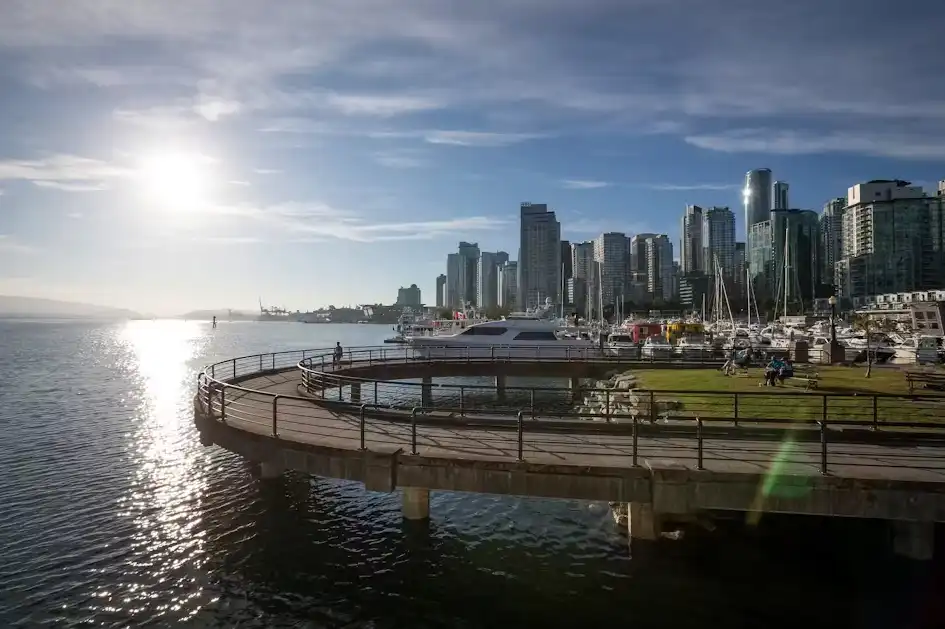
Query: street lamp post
[835,349]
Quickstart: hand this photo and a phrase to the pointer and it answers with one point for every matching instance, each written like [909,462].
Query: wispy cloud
[239,182]
[772,141]
[266,171]
[230,240]
[399,159]
[64,172]
[672,187]
[583,184]
[477,138]
[9,244]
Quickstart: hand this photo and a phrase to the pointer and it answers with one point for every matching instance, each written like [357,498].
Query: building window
[536,336]
[477,331]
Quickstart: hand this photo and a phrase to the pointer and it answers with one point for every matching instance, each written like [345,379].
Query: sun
[176,181]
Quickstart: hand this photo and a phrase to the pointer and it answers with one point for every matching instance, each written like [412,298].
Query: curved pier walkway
[661,471]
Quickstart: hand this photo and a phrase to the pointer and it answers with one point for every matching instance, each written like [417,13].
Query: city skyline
[328,154]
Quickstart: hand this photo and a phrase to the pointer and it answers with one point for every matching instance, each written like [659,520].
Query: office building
[638,259]
[760,263]
[831,239]
[795,237]
[779,196]
[691,259]
[409,296]
[567,268]
[659,265]
[892,240]
[487,282]
[739,294]
[440,291]
[718,241]
[757,196]
[581,288]
[469,273]
[454,268]
[539,261]
[610,252]
[508,285]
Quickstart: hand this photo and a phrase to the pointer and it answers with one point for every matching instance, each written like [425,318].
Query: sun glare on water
[176,181]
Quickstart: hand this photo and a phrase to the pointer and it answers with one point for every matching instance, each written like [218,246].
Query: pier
[380,418]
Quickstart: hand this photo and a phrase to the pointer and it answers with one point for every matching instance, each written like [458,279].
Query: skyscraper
[454,269]
[718,241]
[582,289]
[488,278]
[659,263]
[508,285]
[638,259]
[610,252]
[757,194]
[469,273]
[795,235]
[539,261]
[440,291]
[566,262]
[831,239]
[779,196]
[690,241]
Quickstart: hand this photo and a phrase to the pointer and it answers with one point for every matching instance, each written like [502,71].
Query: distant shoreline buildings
[884,236]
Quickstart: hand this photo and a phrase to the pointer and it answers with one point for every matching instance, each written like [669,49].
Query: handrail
[215,380]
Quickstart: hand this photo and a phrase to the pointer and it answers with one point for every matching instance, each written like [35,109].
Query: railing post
[875,413]
[370,357]
[736,410]
[341,386]
[234,368]
[492,353]
[413,430]
[825,408]
[275,416]
[462,401]
[699,443]
[260,362]
[273,361]
[375,393]
[531,402]
[521,434]
[213,371]
[652,407]
[363,407]
[607,405]
[823,447]
[223,403]
[635,441]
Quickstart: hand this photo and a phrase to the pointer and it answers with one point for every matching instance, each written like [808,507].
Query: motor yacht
[917,350]
[620,343]
[656,347]
[508,338]
[694,346]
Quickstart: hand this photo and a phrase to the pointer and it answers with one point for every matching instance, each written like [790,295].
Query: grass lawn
[845,391]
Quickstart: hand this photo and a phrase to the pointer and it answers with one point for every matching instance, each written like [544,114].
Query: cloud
[671,187]
[295,220]
[583,184]
[772,141]
[239,182]
[63,172]
[74,215]
[399,159]
[9,244]
[230,240]
[477,138]
[266,171]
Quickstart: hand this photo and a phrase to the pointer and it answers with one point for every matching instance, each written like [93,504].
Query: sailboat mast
[787,240]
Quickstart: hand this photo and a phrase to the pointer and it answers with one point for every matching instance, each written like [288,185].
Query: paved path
[304,422]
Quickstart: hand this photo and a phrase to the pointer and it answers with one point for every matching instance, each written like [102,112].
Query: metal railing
[699,416]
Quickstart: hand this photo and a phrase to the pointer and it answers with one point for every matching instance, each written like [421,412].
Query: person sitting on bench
[773,371]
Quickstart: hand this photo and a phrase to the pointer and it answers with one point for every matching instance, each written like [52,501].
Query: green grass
[846,390]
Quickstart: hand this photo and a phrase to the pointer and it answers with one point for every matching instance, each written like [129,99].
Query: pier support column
[356,393]
[575,389]
[642,522]
[426,392]
[914,540]
[270,469]
[416,504]
[500,388]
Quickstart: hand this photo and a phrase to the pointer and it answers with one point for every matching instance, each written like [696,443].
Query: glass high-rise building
[691,241]
[757,195]
[539,256]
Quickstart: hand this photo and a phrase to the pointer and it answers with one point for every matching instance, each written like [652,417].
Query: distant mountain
[30,307]
[223,314]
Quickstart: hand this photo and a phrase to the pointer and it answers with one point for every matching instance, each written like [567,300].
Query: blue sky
[164,156]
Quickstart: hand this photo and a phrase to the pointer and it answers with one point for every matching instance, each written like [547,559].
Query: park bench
[807,376]
[925,380]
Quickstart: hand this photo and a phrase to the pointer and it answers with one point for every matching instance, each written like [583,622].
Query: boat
[656,347]
[917,350]
[694,346]
[508,338]
[620,343]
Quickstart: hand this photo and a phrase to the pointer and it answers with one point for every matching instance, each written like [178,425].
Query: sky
[167,156]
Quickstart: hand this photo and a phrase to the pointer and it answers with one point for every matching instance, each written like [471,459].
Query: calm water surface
[113,515]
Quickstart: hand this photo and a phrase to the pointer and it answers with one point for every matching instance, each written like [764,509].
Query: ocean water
[113,515]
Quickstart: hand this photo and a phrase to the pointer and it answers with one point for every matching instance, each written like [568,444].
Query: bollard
[363,407]
[699,443]
[521,435]
[275,414]
[413,430]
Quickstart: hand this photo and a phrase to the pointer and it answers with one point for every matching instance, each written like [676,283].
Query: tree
[864,322]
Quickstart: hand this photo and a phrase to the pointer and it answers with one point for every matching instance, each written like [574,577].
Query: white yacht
[513,337]
[656,347]
[916,349]
[620,343]
[694,346]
